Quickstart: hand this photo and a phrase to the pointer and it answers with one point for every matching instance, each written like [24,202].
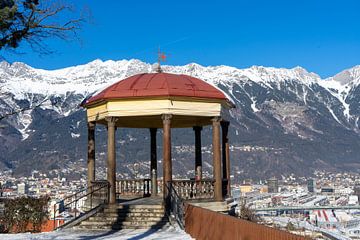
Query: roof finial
[161,57]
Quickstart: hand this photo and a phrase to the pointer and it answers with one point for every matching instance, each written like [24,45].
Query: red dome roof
[158,85]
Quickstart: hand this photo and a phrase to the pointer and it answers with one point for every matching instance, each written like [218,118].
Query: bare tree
[32,21]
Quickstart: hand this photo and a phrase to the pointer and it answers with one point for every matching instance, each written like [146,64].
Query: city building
[310,185]
[245,188]
[357,190]
[22,189]
[327,190]
[273,185]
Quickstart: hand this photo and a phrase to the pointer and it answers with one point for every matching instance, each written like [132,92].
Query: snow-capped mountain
[286,120]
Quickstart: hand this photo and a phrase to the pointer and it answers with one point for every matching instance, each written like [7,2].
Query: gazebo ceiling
[140,100]
[155,121]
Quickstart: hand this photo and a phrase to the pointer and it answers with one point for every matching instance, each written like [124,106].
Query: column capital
[91,125]
[166,117]
[197,128]
[153,130]
[111,121]
[216,119]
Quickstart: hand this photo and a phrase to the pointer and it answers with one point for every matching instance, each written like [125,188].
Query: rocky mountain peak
[351,75]
[287,117]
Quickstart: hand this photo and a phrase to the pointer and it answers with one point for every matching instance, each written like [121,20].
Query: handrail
[100,186]
[175,205]
[74,194]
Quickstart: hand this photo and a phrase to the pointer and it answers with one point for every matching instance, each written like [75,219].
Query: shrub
[24,212]
[290,226]
[247,213]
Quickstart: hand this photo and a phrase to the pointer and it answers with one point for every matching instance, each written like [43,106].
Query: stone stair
[115,217]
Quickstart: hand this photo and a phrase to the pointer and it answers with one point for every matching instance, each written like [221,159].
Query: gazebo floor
[137,200]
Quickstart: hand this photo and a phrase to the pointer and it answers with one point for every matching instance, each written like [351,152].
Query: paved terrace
[131,200]
[168,233]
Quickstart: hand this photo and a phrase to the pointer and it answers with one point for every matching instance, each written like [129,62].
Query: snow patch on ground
[333,114]
[338,91]
[143,234]
[75,135]
[253,105]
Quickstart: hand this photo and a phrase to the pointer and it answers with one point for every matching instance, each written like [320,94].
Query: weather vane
[161,58]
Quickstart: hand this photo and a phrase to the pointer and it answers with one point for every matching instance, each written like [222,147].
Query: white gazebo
[163,100]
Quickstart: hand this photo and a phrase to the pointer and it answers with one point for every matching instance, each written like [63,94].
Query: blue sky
[321,36]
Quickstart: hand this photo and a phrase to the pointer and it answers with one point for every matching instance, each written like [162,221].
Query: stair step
[134,206]
[131,214]
[125,223]
[124,218]
[135,210]
[118,227]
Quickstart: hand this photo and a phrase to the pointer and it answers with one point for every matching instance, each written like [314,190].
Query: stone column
[111,162]
[198,160]
[167,165]
[226,154]
[217,159]
[153,162]
[91,153]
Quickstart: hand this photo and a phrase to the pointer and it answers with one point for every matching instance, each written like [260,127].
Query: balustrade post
[148,187]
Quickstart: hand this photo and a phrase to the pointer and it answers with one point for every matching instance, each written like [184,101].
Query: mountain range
[286,121]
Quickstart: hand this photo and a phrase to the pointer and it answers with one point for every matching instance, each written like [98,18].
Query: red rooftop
[158,85]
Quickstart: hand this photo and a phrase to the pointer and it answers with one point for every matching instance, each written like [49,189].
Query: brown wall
[46,226]
[204,224]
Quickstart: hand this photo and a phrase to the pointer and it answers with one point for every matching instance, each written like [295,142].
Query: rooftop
[158,85]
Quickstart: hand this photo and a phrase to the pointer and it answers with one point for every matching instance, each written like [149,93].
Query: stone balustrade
[192,189]
[186,189]
[133,187]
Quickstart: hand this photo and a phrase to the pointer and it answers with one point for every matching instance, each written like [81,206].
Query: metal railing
[133,187]
[175,206]
[75,205]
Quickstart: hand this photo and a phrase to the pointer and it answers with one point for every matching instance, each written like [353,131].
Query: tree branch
[29,21]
